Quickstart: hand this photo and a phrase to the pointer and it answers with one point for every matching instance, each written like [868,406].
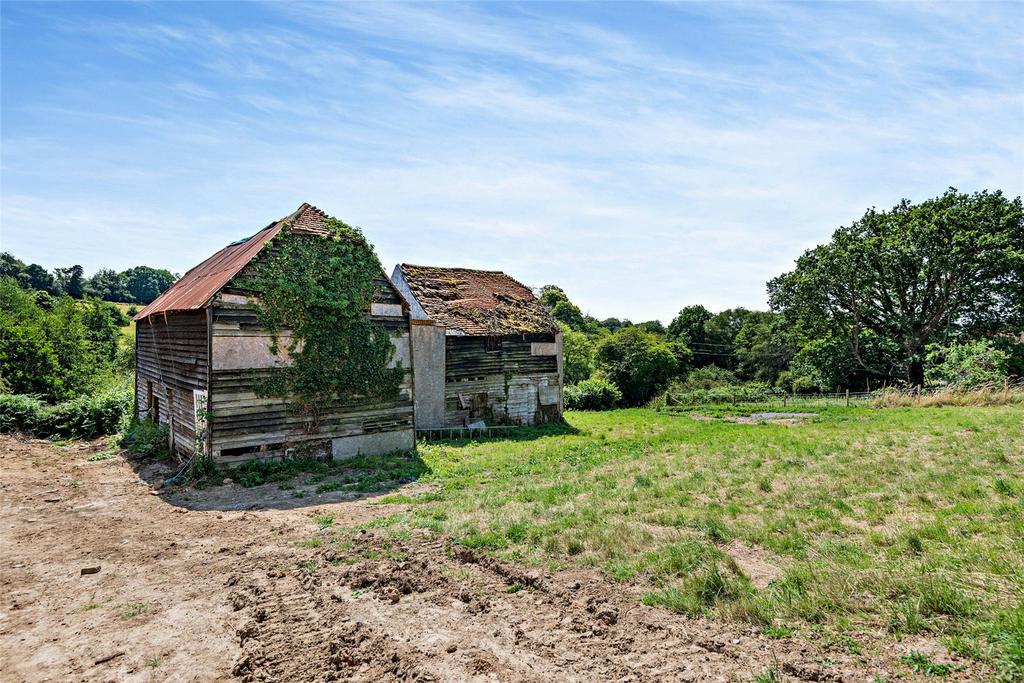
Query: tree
[42,352]
[562,310]
[10,266]
[764,347]
[37,277]
[688,326]
[70,281]
[109,285]
[145,284]
[613,325]
[577,355]
[827,364]
[638,363]
[101,329]
[652,326]
[28,361]
[955,262]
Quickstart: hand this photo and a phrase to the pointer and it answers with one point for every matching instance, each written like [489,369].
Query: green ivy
[320,288]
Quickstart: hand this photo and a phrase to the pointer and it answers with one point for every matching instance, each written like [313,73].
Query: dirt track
[198,590]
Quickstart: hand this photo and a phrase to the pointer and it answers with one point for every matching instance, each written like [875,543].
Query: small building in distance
[485,349]
[201,353]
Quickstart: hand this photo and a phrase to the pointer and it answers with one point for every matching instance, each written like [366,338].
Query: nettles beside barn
[486,349]
[234,371]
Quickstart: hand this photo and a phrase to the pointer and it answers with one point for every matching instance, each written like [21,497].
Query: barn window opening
[154,412]
[265,448]
[492,344]
[149,396]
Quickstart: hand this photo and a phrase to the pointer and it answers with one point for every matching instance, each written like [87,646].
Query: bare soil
[224,584]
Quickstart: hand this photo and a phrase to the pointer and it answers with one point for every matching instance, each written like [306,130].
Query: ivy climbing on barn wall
[319,288]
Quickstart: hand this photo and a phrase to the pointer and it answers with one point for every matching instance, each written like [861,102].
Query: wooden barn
[485,349]
[200,351]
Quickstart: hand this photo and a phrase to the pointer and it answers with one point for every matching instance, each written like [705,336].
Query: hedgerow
[86,417]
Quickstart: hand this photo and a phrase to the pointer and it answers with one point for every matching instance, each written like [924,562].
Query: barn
[486,350]
[201,352]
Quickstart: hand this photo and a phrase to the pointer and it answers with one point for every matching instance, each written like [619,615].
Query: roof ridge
[470,270]
[200,283]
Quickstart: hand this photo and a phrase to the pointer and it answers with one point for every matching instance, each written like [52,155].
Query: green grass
[904,519]
[361,474]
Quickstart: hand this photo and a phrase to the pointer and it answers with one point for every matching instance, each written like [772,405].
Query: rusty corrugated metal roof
[477,302]
[196,288]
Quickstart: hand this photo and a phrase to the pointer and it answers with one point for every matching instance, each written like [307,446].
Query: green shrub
[85,417]
[708,377]
[592,394]
[147,438]
[752,392]
[966,365]
[19,413]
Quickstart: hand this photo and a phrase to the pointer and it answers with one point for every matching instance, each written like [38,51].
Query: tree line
[61,333]
[922,294]
[138,285]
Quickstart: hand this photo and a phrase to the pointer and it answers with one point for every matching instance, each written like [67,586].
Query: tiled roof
[477,302]
[196,288]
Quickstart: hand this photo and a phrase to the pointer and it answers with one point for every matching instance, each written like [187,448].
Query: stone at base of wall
[372,444]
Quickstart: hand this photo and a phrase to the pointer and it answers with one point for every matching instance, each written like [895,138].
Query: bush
[966,365]
[19,413]
[85,417]
[147,438]
[592,394]
[639,363]
[751,392]
[708,377]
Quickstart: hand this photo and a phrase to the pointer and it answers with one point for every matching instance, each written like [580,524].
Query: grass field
[895,521]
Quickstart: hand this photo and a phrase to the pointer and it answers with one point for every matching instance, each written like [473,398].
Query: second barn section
[486,351]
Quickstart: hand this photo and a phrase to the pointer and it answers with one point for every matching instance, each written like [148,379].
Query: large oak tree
[950,264]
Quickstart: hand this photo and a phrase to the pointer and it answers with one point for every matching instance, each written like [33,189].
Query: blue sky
[642,156]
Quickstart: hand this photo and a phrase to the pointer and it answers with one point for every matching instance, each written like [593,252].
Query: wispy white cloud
[644,157]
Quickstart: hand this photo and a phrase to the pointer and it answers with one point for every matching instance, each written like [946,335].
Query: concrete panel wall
[238,352]
[428,349]
[372,444]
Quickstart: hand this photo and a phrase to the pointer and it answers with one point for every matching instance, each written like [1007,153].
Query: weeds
[990,395]
[147,439]
[105,455]
[921,663]
[134,609]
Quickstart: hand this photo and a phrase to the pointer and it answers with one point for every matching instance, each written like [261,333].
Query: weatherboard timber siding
[172,357]
[267,426]
[501,380]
